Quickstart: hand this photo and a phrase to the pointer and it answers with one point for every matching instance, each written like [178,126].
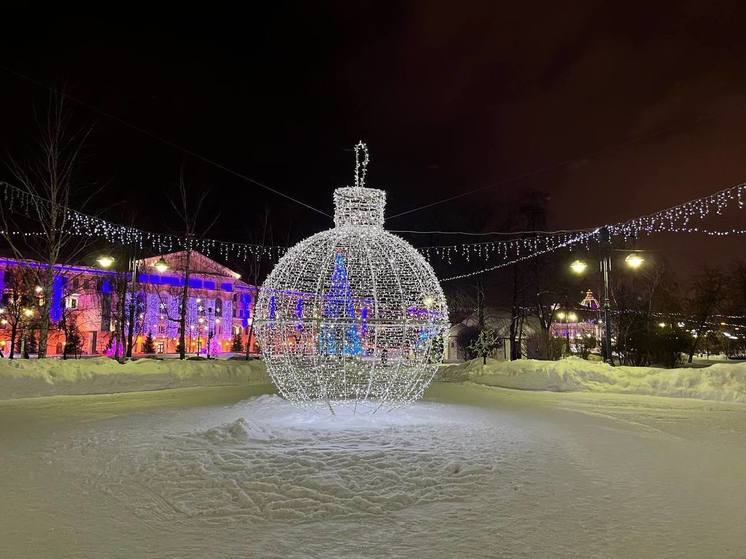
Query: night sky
[610,113]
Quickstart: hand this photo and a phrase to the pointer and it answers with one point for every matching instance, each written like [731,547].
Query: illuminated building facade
[219,305]
[584,322]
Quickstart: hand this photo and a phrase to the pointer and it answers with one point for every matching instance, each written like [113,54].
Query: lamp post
[199,337]
[106,261]
[565,318]
[210,331]
[25,316]
[606,271]
[633,260]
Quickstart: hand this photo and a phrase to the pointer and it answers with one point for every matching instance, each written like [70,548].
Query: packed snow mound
[24,378]
[723,381]
[279,463]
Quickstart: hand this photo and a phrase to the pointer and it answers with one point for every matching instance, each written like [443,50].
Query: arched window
[218,307]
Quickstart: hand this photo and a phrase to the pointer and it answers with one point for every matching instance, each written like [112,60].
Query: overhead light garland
[580,239]
[678,218]
[506,252]
[85,225]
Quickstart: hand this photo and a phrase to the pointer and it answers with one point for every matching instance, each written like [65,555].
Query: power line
[552,166]
[491,233]
[162,140]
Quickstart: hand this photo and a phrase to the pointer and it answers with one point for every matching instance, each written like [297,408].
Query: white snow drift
[23,378]
[724,381]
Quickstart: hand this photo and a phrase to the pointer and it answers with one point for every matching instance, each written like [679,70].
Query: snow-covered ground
[472,471]
[23,378]
[721,381]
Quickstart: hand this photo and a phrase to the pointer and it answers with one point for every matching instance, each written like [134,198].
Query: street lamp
[161,265]
[579,267]
[634,260]
[27,313]
[105,261]
[565,318]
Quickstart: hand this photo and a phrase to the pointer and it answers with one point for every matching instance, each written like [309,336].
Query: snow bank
[723,381]
[24,378]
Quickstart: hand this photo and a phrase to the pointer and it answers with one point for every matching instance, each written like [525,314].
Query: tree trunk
[480,304]
[251,326]
[514,316]
[133,310]
[183,309]
[119,337]
[695,341]
[44,312]
[13,336]
[519,345]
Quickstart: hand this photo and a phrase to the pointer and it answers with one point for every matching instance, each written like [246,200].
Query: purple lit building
[219,305]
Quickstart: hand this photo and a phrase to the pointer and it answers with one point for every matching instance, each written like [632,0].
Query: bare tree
[705,299]
[517,314]
[47,180]
[189,215]
[16,303]
[255,275]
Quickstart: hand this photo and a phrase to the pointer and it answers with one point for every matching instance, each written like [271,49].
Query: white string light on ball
[353,316]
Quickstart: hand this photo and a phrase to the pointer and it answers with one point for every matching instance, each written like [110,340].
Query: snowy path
[471,472]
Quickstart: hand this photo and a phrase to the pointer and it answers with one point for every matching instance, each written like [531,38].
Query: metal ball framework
[353,314]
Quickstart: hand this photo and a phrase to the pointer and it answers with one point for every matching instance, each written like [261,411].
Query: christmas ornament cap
[359,206]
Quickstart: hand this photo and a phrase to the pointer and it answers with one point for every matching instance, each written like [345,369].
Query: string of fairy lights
[496,254]
[85,225]
[677,219]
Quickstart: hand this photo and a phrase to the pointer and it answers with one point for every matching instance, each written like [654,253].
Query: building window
[86,284]
[76,283]
[72,301]
[218,307]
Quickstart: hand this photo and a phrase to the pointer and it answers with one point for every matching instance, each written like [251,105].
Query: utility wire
[161,139]
[552,166]
[490,233]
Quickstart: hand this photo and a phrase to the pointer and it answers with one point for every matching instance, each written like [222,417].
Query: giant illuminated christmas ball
[353,314]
